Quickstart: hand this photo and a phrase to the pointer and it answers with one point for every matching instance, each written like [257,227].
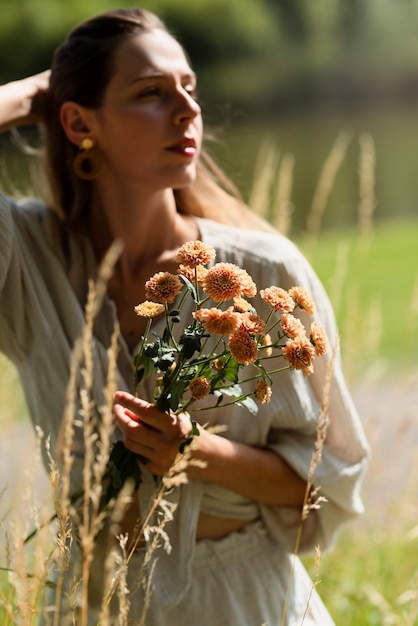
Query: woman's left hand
[256,473]
[155,436]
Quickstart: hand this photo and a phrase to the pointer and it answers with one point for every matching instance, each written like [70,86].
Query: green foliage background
[249,52]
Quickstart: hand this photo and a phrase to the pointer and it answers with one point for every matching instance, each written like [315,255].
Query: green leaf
[151,349]
[233,391]
[166,359]
[249,404]
[191,343]
[191,288]
[231,369]
[177,391]
[163,402]
[138,375]
[193,433]
[122,465]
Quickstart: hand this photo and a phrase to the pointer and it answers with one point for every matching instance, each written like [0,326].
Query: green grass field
[373,285]
[371,577]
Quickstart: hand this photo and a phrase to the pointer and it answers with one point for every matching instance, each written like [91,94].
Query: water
[309,137]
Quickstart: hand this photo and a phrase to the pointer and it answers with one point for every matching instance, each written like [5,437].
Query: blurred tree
[247,52]
[292,16]
[351,21]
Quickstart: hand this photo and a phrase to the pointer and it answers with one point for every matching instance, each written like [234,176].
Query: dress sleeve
[21,297]
[6,237]
[340,472]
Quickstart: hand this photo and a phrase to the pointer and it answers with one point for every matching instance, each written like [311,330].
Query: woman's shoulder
[24,210]
[30,223]
[257,245]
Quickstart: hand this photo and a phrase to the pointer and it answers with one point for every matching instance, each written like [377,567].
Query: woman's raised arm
[21,101]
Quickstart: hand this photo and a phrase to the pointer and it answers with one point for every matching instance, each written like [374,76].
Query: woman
[123,134]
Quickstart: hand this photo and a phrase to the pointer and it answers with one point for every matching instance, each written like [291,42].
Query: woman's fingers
[145,411]
[153,435]
[148,414]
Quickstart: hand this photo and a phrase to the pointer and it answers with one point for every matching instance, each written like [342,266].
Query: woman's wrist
[256,473]
[20,101]
[210,450]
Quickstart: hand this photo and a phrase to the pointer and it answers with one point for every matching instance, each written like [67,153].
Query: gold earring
[87,163]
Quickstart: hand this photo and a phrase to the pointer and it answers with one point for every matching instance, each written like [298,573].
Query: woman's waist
[215,527]
[223,511]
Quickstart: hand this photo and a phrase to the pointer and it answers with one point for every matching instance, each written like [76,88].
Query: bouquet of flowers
[224,337]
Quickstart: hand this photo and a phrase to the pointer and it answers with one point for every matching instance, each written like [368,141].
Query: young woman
[123,140]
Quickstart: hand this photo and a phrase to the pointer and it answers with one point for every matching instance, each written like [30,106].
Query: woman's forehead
[148,54]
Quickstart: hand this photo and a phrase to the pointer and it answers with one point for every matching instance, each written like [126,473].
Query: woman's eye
[192,91]
[149,92]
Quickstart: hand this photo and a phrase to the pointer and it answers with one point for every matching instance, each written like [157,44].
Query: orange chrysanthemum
[216,321]
[194,253]
[223,281]
[303,299]
[318,339]
[163,287]
[241,305]
[149,309]
[278,298]
[292,327]
[252,323]
[192,272]
[249,288]
[199,388]
[262,392]
[300,354]
[266,343]
[243,347]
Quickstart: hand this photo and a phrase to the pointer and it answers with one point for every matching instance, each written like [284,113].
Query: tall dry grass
[29,566]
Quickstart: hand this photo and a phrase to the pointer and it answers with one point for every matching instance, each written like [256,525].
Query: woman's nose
[187,108]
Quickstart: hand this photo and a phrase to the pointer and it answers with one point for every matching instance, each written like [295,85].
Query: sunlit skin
[149,127]
[148,130]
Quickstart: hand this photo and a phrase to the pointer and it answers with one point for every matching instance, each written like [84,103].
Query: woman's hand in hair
[22,102]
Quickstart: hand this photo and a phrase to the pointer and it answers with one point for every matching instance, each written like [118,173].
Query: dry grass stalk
[315,583]
[377,599]
[91,518]
[263,180]
[411,619]
[412,319]
[96,446]
[25,589]
[311,499]
[374,330]
[339,278]
[325,184]
[367,197]
[97,436]
[163,510]
[282,206]
[123,590]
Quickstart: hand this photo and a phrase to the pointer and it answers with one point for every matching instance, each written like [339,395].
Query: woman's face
[149,126]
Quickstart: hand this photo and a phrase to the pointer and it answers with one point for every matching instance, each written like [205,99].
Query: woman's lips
[185,147]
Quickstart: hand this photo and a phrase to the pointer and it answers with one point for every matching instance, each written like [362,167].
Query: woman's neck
[150,227]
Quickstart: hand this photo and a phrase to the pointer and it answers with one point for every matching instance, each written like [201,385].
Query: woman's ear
[75,122]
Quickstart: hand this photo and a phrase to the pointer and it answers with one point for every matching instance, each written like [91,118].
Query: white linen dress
[241,579]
